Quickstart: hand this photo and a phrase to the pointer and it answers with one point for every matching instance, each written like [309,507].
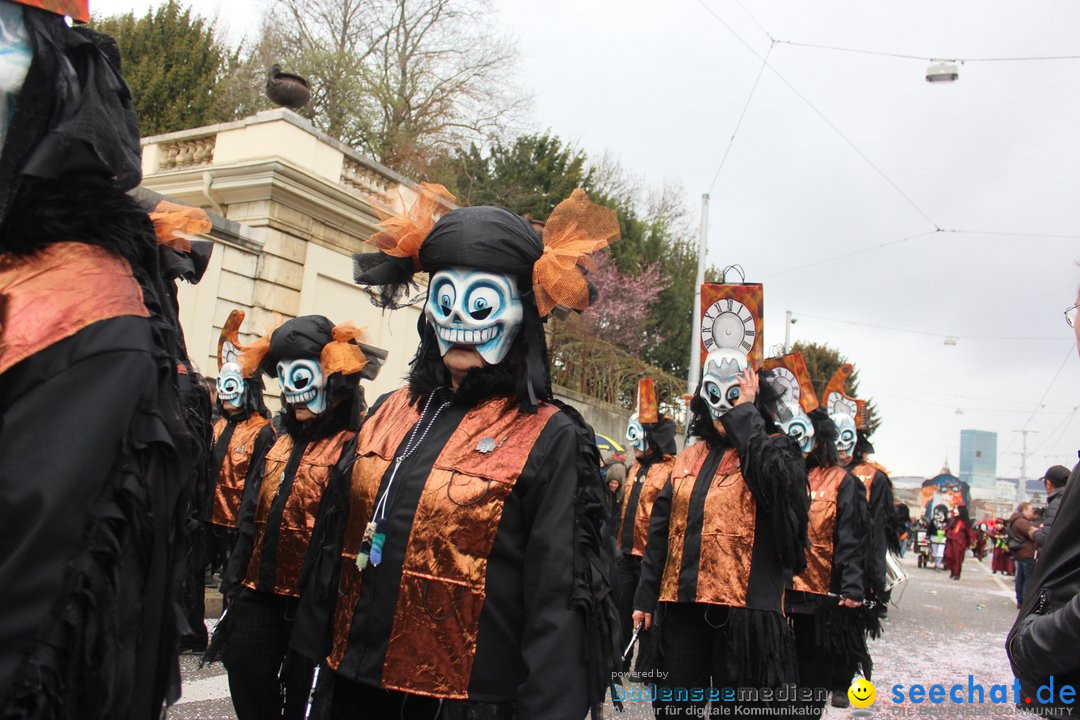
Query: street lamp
[942,71]
[788,322]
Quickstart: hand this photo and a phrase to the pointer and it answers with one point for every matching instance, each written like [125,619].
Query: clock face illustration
[728,324]
[837,403]
[786,385]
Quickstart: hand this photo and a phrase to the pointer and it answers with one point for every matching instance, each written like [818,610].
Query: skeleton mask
[801,429]
[231,386]
[845,435]
[635,433]
[476,309]
[15,56]
[303,384]
[720,382]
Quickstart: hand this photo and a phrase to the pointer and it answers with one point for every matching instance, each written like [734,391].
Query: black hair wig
[823,454]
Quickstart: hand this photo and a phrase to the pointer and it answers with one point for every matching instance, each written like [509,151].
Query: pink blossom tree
[621,314]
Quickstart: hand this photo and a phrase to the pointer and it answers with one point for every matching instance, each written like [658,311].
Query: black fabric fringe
[842,633]
[112,629]
[761,648]
[594,563]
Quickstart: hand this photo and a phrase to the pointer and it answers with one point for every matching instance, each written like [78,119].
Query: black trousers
[355,701]
[693,642]
[818,668]
[266,681]
[627,575]
[219,545]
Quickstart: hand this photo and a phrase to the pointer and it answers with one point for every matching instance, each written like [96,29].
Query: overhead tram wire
[954,231]
[1052,433]
[853,253]
[926,333]
[866,158]
[923,58]
[749,98]
[1053,380]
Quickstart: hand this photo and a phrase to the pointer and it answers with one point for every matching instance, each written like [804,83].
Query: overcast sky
[661,86]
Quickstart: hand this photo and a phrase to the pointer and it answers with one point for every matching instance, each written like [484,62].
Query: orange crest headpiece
[77,10]
[838,401]
[732,318]
[791,380]
[229,348]
[647,407]
[576,228]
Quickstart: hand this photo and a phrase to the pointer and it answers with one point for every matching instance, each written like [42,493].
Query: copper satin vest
[865,472]
[230,484]
[727,533]
[821,530]
[652,484]
[432,645]
[52,294]
[298,518]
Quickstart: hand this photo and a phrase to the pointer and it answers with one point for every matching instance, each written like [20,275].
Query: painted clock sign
[731,317]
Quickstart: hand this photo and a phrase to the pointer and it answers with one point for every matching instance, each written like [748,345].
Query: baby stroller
[921,543]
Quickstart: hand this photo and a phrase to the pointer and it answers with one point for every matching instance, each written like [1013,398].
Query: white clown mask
[303,384]
[720,380]
[846,434]
[16,54]
[231,386]
[480,310]
[800,429]
[635,433]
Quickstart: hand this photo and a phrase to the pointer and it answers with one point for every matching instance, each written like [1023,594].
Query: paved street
[938,631]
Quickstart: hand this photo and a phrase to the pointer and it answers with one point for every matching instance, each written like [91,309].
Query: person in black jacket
[95,457]
[727,532]
[1043,640]
[1054,480]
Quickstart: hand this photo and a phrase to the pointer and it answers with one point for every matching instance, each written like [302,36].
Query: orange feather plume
[403,233]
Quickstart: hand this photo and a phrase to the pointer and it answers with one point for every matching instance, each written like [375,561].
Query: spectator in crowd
[1054,480]
[615,474]
[1022,545]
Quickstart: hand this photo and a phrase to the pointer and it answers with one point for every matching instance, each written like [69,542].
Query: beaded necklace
[375,531]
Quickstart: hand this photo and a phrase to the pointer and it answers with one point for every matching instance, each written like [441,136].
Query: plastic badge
[376,548]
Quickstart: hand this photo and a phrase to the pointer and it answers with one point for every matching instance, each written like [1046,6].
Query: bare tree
[397,79]
[439,78]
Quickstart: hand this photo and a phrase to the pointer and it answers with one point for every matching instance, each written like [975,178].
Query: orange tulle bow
[170,218]
[403,233]
[343,355]
[576,228]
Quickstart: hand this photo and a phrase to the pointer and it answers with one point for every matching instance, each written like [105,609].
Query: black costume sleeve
[882,512]
[555,681]
[1045,645]
[245,519]
[656,549]
[321,572]
[775,472]
[849,545]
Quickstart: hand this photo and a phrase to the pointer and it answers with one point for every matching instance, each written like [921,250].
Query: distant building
[978,462]
[1005,500]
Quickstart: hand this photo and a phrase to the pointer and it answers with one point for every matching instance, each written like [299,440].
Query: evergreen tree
[822,362]
[173,61]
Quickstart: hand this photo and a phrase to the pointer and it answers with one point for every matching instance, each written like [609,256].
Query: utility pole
[695,336]
[788,321]
[1021,487]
